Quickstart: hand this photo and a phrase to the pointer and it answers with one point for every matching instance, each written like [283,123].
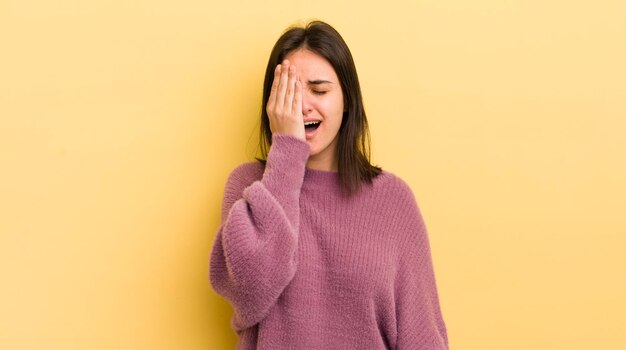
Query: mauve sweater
[307,267]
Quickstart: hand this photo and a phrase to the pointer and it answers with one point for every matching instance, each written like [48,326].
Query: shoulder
[393,186]
[243,176]
[238,179]
[396,194]
[248,170]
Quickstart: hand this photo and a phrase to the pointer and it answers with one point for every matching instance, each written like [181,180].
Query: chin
[314,151]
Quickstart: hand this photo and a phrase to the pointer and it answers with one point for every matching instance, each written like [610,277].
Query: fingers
[282,85]
[272,99]
[284,105]
[297,100]
[281,97]
[290,89]
[277,94]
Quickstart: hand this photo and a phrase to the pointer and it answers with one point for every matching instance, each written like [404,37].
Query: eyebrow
[318,82]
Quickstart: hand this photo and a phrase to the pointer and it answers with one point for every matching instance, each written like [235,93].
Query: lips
[311,125]
[310,128]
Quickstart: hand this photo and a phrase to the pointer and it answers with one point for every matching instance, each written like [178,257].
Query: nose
[306,103]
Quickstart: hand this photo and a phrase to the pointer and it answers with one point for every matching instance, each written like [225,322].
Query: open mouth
[310,126]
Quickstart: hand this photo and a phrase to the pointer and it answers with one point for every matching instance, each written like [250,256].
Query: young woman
[319,249]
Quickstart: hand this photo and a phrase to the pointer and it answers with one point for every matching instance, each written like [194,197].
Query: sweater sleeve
[418,313]
[254,254]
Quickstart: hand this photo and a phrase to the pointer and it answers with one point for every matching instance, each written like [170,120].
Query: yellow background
[120,120]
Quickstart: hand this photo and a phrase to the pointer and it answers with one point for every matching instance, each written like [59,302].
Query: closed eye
[317,86]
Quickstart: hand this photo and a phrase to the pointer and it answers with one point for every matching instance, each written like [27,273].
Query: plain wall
[120,121]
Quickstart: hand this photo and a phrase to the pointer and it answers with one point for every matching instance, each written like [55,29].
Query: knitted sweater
[306,267]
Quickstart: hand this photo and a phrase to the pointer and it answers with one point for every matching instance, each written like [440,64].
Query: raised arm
[254,255]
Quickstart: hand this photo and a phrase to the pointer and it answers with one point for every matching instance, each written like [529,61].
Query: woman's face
[322,107]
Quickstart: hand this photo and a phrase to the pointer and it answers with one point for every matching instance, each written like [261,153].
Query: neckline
[321,179]
[329,180]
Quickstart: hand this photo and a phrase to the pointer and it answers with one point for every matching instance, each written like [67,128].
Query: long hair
[353,149]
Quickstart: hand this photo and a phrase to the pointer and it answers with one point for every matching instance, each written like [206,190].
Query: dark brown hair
[353,149]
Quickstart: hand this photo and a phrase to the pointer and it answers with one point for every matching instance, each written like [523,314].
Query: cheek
[333,109]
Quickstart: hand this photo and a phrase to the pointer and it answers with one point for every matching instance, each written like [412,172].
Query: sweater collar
[321,179]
